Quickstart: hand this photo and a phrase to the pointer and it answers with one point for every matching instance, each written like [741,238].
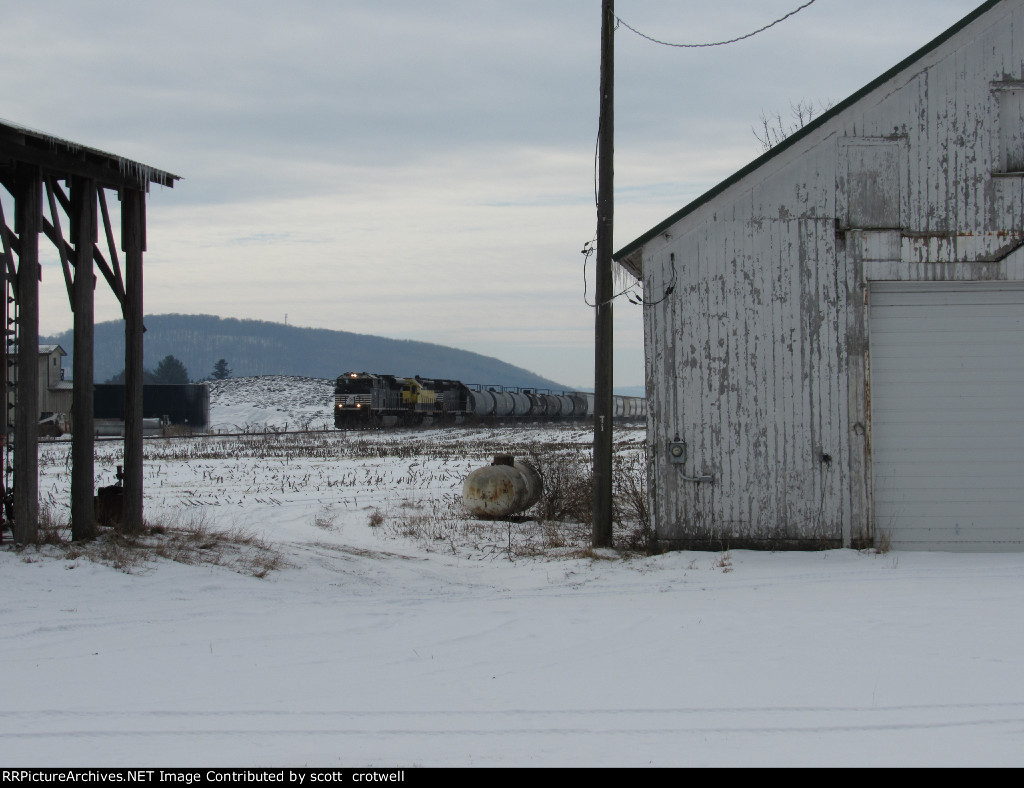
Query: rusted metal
[502,489]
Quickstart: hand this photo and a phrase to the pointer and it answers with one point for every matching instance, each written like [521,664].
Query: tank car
[364,399]
[481,403]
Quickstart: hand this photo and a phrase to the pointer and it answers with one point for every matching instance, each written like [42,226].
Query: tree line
[171,371]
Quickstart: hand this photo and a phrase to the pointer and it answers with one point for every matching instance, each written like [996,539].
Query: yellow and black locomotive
[365,399]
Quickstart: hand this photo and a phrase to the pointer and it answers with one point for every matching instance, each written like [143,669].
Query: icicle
[623,278]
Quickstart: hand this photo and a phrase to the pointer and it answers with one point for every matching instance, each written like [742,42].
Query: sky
[422,170]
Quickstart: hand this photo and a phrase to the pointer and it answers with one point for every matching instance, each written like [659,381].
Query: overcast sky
[422,169]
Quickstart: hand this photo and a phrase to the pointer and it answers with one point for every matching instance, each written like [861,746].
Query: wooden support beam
[114,281]
[111,247]
[6,266]
[83,228]
[28,211]
[53,183]
[55,233]
[76,178]
[67,251]
[8,279]
[9,242]
[133,243]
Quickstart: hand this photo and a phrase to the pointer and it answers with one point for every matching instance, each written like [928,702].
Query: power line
[718,43]
[588,247]
[634,298]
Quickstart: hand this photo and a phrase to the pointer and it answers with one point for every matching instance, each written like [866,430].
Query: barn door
[947,414]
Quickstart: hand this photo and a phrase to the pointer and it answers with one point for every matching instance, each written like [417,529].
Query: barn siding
[759,358]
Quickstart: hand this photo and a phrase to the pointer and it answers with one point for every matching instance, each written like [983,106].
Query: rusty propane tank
[506,487]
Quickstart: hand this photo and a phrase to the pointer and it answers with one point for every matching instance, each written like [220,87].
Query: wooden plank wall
[759,357]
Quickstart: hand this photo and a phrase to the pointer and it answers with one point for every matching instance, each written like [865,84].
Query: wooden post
[83,230]
[8,284]
[133,243]
[28,211]
[6,254]
[602,533]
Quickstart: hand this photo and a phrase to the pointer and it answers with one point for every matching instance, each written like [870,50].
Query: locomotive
[365,399]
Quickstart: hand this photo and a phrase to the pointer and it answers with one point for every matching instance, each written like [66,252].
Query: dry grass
[327,519]
[631,510]
[274,469]
[53,527]
[559,525]
[437,524]
[568,479]
[186,540]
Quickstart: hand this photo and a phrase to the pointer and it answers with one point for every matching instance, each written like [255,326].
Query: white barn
[834,336]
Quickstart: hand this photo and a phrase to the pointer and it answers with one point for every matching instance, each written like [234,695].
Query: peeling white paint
[758,359]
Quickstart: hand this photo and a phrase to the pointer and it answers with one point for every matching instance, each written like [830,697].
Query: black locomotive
[365,399]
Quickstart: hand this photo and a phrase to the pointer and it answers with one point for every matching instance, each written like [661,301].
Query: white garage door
[947,414]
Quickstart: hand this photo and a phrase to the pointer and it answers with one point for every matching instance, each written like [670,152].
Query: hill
[256,347]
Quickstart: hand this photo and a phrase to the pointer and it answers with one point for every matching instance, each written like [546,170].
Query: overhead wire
[744,37]
[588,247]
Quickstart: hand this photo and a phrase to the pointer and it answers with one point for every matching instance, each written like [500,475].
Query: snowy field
[335,607]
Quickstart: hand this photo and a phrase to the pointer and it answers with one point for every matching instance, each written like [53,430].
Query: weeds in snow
[406,481]
[326,519]
[558,525]
[190,540]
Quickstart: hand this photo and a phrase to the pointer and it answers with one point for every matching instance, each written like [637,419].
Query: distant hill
[256,347]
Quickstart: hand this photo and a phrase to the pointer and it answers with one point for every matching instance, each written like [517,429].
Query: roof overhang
[62,159]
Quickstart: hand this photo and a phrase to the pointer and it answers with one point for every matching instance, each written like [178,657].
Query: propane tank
[503,488]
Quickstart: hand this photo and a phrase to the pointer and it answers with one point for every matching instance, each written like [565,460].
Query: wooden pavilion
[59,189]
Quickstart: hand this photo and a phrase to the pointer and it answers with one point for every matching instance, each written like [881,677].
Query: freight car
[364,399]
[185,404]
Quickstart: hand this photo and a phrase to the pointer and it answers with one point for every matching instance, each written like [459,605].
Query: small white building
[54,391]
[834,336]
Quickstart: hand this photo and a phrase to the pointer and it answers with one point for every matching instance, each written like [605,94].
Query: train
[367,399]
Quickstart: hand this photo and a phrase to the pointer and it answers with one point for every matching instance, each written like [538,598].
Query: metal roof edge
[806,130]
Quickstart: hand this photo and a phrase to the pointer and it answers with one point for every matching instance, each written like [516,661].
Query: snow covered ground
[275,401]
[367,622]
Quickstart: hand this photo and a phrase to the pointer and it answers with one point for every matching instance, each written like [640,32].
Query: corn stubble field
[242,501]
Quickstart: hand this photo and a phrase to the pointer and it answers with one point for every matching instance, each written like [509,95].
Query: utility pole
[602,535]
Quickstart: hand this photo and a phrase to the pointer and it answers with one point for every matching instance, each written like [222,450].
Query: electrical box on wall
[677,452]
